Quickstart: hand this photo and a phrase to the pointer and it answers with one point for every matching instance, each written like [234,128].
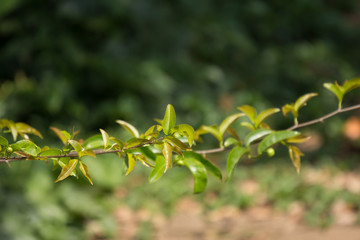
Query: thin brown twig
[207,151]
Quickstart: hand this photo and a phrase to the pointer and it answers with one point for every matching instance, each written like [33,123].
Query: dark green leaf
[274,138]
[234,156]
[169,119]
[199,173]
[214,170]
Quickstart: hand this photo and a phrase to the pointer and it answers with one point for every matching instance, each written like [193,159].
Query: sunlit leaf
[265,114]
[167,152]
[234,157]
[105,137]
[199,173]
[27,147]
[159,169]
[88,152]
[351,85]
[274,138]
[301,101]
[230,141]
[249,111]
[76,145]
[61,134]
[169,119]
[131,163]
[25,128]
[94,142]
[143,160]
[67,169]
[136,142]
[289,108]
[248,125]
[295,155]
[3,141]
[118,143]
[228,121]
[214,170]
[146,151]
[153,132]
[186,130]
[336,89]
[176,142]
[256,135]
[84,169]
[130,128]
[298,139]
[213,130]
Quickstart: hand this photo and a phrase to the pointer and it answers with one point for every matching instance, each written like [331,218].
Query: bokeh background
[84,64]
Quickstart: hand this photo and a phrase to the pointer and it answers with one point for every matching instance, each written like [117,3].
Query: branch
[207,151]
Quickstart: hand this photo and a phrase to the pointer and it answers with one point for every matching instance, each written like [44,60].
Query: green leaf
[84,169]
[301,101]
[249,111]
[167,152]
[94,142]
[130,128]
[337,90]
[214,170]
[105,138]
[176,142]
[230,141]
[228,121]
[3,141]
[143,160]
[256,135]
[76,145]
[146,151]
[265,114]
[350,85]
[63,135]
[131,163]
[274,138]
[289,108]
[213,130]
[248,125]
[153,132]
[118,144]
[136,142]
[234,156]
[188,131]
[25,128]
[199,173]
[159,169]
[51,152]
[295,155]
[67,169]
[27,147]
[88,152]
[169,119]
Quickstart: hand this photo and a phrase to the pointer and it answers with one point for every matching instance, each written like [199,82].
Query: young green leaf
[26,147]
[186,130]
[159,169]
[105,137]
[143,160]
[131,163]
[263,115]
[84,169]
[61,134]
[256,135]
[169,119]
[337,90]
[274,138]
[208,165]
[248,125]
[135,142]
[234,156]
[146,151]
[227,122]
[25,128]
[130,128]
[76,145]
[94,142]
[67,169]
[301,101]
[51,152]
[88,152]
[231,141]
[177,143]
[350,85]
[249,111]
[167,152]
[213,130]
[289,108]
[199,173]
[295,155]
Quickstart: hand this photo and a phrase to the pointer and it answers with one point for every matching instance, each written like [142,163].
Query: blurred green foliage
[87,63]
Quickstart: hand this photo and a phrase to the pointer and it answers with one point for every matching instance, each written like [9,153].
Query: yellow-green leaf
[105,137]
[51,152]
[249,111]
[131,163]
[301,101]
[228,121]
[130,128]
[248,125]
[177,143]
[27,147]
[351,84]
[3,141]
[76,145]
[265,114]
[136,142]
[87,153]
[233,158]
[61,134]
[298,139]
[169,119]
[143,160]
[84,169]
[274,138]
[336,89]
[25,128]
[256,135]
[188,131]
[295,155]
[289,108]
[213,130]
[67,169]
[167,152]
[159,169]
